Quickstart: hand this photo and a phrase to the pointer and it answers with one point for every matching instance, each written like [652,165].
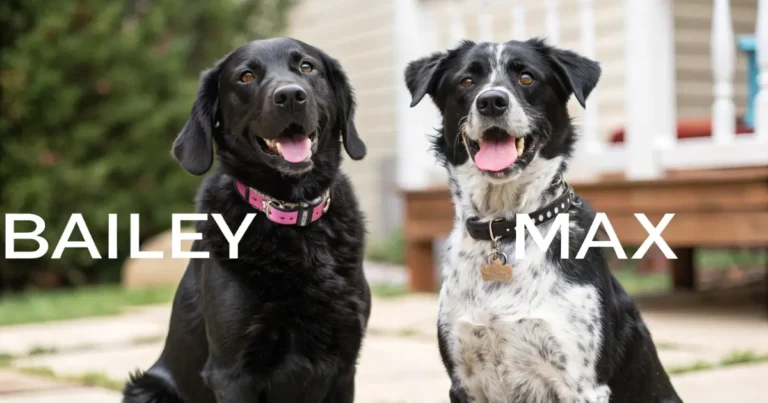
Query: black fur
[284,321]
[628,361]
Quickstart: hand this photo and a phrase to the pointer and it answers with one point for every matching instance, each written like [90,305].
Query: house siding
[609,34]
[360,35]
[693,29]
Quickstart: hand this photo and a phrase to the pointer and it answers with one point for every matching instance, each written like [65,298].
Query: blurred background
[93,92]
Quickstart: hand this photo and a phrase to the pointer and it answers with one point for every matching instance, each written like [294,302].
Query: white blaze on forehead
[516,118]
[497,65]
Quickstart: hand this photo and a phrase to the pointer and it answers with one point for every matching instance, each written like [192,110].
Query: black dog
[538,328]
[284,321]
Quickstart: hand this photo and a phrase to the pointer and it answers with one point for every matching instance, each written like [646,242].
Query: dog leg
[600,394]
[231,385]
[458,394]
[343,391]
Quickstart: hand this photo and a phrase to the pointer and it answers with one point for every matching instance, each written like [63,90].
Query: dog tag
[495,270]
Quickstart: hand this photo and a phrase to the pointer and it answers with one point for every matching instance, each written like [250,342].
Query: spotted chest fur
[533,339]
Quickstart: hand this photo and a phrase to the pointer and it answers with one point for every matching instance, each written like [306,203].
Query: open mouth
[496,151]
[293,144]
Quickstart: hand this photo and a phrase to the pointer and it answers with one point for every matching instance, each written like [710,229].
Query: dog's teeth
[278,148]
[520,146]
[268,142]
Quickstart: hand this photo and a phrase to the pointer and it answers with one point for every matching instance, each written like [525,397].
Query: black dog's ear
[345,101]
[193,147]
[578,73]
[421,76]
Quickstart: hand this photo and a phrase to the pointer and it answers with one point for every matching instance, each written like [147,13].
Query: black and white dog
[536,329]
[284,321]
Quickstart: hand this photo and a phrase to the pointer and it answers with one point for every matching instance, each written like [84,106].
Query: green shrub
[93,94]
[390,249]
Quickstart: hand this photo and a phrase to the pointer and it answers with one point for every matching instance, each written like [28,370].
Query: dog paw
[600,394]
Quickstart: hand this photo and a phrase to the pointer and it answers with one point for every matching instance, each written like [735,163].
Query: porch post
[552,17]
[590,145]
[484,22]
[457,31]
[413,129]
[723,59]
[518,20]
[650,120]
[761,40]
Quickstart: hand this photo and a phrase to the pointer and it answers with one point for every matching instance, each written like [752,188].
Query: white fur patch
[533,339]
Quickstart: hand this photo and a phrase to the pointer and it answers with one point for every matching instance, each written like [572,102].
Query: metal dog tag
[496,269]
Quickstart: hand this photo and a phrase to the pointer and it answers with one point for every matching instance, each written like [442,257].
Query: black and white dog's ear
[578,73]
[193,147]
[422,76]
[345,102]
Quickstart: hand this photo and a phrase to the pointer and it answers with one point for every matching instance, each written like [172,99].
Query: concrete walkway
[399,363]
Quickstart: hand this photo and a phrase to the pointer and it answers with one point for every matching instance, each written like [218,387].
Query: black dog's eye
[247,77]
[306,67]
[526,79]
[467,82]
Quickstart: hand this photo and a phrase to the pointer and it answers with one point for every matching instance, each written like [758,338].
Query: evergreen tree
[93,92]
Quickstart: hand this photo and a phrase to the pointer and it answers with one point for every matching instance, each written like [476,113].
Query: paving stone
[737,384]
[400,361]
[141,324]
[703,329]
[116,363]
[407,370]
[78,395]
[15,382]
[680,358]
[412,313]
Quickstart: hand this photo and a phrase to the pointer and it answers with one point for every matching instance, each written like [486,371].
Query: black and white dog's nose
[290,96]
[492,103]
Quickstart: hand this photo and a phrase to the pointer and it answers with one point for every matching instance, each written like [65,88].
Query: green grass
[94,379]
[389,290]
[5,359]
[39,306]
[737,357]
[42,350]
[743,357]
[696,366]
[390,249]
[635,283]
[726,259]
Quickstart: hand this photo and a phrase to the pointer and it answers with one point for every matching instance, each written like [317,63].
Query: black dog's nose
[492,103]
[290,96]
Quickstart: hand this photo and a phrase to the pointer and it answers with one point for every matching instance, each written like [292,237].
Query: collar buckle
[299,213]
[265,205]
[327,204]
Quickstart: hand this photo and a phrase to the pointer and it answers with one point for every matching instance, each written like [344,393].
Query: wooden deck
[713,208]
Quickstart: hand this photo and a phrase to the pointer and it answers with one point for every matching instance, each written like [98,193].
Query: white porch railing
[650,143]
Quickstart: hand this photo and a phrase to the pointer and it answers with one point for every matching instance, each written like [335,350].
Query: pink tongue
[496,155]
[295,148]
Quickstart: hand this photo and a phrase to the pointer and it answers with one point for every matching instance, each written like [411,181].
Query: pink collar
[300,214]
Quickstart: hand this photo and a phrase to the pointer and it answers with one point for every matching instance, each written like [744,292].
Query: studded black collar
[499,228]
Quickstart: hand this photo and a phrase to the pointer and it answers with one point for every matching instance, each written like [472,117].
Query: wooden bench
[713,208]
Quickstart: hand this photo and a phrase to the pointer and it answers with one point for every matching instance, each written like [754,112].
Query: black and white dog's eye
[467,82]
[526,79]
[306,67]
